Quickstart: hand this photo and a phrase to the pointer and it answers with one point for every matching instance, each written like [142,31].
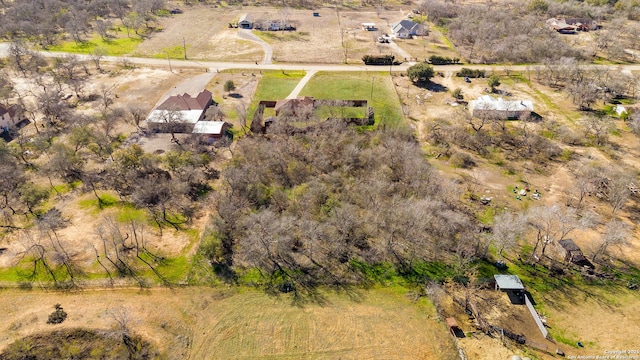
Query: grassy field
[204,323]
[114,47]
[274,85]
[376,87]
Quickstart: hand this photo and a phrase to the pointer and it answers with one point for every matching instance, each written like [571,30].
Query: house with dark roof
[570,252]
[405,29]
[179,113]
[10,116]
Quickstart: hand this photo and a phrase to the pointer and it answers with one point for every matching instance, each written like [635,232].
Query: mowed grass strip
[112,47]
[382,324]
[242,323]
[376,87]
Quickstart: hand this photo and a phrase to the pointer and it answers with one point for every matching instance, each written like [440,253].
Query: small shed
[369,27]
[511,285]
[508,283]
[570,252]
[246,21]
[454,329]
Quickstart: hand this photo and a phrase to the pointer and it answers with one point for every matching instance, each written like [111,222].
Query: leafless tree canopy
[318,205]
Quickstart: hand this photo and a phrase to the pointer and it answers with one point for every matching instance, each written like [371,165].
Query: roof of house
[12,110]
[186,102]
[246,17]
[181,116]
[568,245]
[300,103]
[406,25]
[508,282]
[488,102]
[208,127]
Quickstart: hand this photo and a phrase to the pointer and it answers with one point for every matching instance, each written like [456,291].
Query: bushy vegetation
[379,60]
[442,60]
[317,205]
[471,73]
[80,344]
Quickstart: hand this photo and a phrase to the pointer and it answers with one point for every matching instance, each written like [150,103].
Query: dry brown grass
[198,323]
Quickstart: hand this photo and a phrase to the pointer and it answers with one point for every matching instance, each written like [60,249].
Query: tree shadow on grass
[431,86]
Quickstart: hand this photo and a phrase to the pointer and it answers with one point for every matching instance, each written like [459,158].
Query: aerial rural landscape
[384,179]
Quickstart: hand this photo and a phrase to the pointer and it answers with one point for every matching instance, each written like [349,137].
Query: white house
[487,106]
[405,29]
[179,113]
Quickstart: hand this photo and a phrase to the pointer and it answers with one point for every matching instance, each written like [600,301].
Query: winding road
[247,34]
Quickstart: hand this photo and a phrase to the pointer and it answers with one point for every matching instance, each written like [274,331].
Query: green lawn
[113,47]
[375,87]
[274,85]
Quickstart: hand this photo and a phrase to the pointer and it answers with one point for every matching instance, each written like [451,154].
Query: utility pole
[169,59]
[184,45]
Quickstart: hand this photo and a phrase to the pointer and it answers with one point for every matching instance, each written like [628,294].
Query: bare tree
[616,234]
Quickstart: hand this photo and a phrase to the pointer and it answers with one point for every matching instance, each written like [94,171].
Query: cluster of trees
[318,205]
[88,152]
[587,85]
[45,22]
[486,35]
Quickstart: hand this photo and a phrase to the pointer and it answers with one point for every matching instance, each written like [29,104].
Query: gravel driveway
[249,35]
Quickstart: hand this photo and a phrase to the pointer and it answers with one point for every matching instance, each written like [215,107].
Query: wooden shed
[454,329]
[570,252]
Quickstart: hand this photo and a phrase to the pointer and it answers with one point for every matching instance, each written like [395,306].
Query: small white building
[487,106]
[369,27]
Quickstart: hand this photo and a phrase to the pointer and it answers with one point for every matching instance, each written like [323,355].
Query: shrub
[379,60]
[442,60]
[471,73]
[229,86]
[58,316]
[457,94]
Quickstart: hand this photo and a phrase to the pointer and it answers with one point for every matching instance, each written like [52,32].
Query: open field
[376,87]
[201,323]
[205,32]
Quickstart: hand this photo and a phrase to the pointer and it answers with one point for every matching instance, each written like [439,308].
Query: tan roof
[186,102]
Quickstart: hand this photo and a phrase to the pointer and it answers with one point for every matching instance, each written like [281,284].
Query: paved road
[249,35]
[213,66]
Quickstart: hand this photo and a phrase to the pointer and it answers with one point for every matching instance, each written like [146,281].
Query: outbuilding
[511,285]
[246,22]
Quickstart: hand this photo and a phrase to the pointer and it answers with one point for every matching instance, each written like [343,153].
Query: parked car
[176,11]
